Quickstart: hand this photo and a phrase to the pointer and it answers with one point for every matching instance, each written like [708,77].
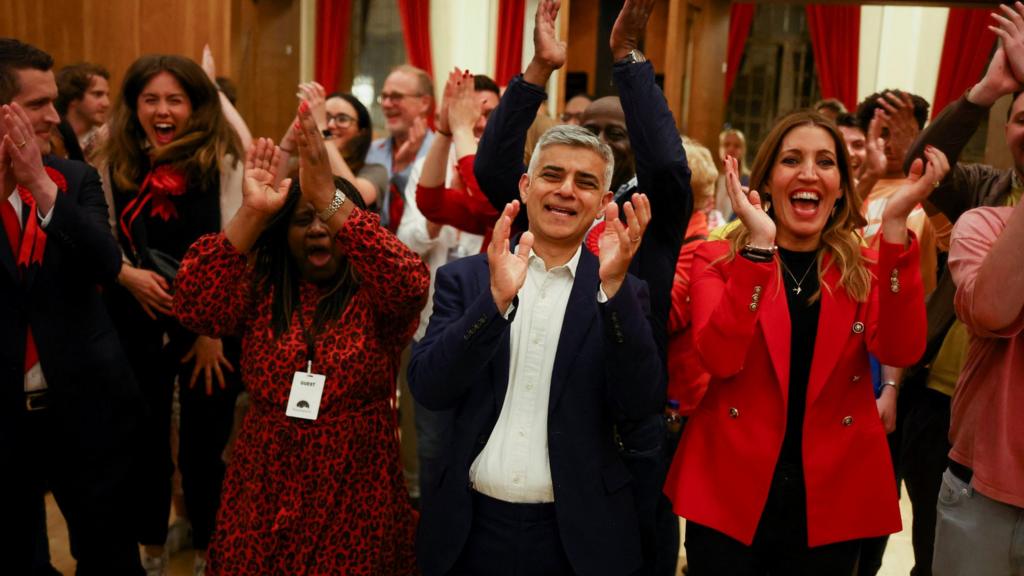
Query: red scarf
[33,239]
[162,182]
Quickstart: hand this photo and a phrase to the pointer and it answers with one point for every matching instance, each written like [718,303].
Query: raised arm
[661,167]
[499,158]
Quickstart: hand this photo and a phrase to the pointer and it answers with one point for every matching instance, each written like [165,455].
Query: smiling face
[564,193]
[606,119]
[163,109]
[402,101]
[804,183]
[856,147]
[311,245]
[342,121]
[37,91]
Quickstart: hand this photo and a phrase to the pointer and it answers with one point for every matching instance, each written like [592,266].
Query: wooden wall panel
[249,41]
[582,40]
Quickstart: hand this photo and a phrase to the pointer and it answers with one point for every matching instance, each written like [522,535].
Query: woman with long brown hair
[172,164]
[784,464]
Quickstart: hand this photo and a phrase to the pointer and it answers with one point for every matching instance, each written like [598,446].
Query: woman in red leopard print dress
[322,496]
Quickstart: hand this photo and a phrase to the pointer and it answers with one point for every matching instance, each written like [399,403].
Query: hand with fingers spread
[507,268]
[924,178]
[629,27]
[261,191]
[898,117]
[22,159]
[316,96]
[151,290]
[746,204]
[618,243]
[406,154]
[549,53]
[1010,29]
[208,354]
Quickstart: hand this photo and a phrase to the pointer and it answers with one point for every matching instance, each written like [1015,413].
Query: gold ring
[634,239]
[936,184]
[22,145]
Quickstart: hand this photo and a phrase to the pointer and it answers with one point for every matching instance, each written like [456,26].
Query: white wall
[900,47]
[463,34]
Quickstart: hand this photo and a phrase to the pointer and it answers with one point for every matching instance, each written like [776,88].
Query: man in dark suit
[67,399]
[536,350]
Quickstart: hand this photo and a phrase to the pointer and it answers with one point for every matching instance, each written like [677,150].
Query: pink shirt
[987,427]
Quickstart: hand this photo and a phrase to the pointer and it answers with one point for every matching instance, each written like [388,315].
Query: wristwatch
[634,57]
[335,205]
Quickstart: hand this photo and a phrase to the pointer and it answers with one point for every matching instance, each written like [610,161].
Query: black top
[803,317]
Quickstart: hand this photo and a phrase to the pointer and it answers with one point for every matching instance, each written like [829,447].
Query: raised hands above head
[314,165]
[549,53]
[897,115]
[314,94]
[629,27]
[446,100]
[1000,78]
[619,243]
[1010,29]
[406,153]
[747,207]
[465,106]
[262,193]
[507,268]
[923,179]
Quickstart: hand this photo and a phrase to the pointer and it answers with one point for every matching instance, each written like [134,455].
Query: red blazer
[723,468]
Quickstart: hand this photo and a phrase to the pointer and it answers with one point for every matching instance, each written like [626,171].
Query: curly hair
[840,237]
[207,137]
[73,81]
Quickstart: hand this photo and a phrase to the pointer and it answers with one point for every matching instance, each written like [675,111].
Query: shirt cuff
[601,296]
[44,221]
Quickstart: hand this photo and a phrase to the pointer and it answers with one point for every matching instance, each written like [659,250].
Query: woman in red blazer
[784,464]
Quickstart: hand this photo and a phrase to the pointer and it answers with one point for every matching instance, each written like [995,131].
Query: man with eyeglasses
[406,99]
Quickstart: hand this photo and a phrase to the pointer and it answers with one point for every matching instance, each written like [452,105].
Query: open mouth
[805,203]
[560,211]
[164,132]
[318,256]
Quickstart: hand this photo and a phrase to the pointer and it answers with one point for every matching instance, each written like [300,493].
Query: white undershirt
[514,464]
[34,379]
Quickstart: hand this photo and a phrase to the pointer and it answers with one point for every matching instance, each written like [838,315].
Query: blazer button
[848,421]
[858,327]
[734,413]
[753,306]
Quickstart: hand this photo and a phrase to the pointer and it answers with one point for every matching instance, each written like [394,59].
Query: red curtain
[416,31]
[333,19]
[510,40]
[835,37]
[965,54]
[741,17]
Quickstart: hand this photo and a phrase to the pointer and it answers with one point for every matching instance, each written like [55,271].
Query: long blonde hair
[841,238]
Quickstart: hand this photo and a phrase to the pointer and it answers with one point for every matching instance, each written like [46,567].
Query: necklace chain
[797,289]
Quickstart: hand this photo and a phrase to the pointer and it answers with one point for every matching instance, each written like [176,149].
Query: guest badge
[304,399]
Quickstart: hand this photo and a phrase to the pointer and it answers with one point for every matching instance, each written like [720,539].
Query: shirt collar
[537,263]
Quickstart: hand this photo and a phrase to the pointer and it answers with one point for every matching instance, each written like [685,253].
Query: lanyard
[309,337]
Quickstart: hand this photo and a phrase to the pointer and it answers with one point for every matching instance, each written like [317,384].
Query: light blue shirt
[381,153]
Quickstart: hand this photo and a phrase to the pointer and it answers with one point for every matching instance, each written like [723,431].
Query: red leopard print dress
[324,496]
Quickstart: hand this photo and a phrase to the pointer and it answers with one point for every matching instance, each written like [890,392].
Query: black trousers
[925,450]
[205,422]
[780,543]
[512,540]
[90,487]
[643,449]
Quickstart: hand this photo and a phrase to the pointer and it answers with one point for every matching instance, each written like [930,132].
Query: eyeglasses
[342,120]
[395,97]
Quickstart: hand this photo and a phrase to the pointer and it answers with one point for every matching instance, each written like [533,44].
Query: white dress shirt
[34,379]
[514,465]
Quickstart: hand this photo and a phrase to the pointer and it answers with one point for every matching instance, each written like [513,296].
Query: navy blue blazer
[94,397]
[606,363]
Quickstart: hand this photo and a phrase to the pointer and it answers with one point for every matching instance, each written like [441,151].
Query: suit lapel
[834,325]
[580,313]
[776,328]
